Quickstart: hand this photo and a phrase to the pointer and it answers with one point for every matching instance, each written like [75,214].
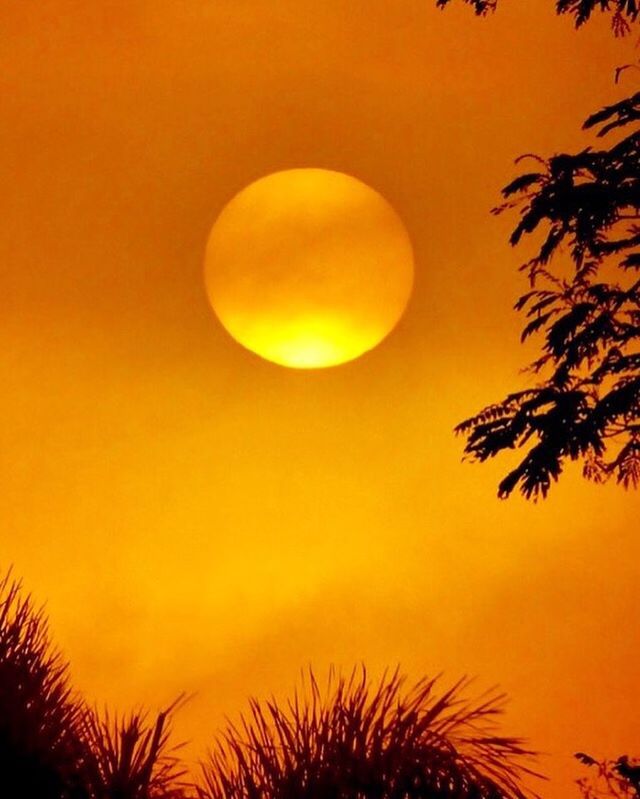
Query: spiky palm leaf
[130,757]
[357,740]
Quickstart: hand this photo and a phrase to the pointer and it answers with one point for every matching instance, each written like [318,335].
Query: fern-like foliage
[357,740]
[585,404]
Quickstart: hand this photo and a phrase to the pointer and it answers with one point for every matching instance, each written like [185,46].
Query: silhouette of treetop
[617,779]
[41,752]
[52,745]
[587,405]
[360,739]
[624,11]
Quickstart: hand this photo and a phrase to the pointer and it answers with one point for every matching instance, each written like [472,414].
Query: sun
[308,268]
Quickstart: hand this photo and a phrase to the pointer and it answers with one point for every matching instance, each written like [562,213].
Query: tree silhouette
[619,779]
[630,772]
[51,745]
[587,404]
[360,741]
[356,741]
[129,758]
[623,12]
[41,753]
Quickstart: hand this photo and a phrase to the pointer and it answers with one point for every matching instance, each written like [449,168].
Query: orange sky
[198,519]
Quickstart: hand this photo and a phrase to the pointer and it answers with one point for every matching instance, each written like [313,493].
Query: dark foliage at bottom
[41,754]
[354,740]
[129,758]
[52,746]
[359,740]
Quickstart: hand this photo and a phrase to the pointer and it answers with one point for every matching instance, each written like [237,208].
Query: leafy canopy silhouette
[587,405]
[623,12]
[610,779]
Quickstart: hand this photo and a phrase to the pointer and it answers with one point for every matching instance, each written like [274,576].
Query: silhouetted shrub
[51,745]
[360,741]
[41,753]
[130,758]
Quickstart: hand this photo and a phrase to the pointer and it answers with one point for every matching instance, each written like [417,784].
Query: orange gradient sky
[198,519]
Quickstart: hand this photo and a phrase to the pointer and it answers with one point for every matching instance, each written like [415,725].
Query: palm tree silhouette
[357,740]
[129,757]
[41,750]
[52,746]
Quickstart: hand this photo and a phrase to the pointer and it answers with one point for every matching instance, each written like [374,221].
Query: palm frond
[41,751]
[130,758]
[358,739]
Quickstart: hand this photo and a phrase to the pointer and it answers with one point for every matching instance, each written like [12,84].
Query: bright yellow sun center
[308,268]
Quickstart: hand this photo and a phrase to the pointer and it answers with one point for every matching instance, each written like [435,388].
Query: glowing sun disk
[308,268]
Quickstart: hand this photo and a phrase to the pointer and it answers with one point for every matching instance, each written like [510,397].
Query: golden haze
[200,520]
